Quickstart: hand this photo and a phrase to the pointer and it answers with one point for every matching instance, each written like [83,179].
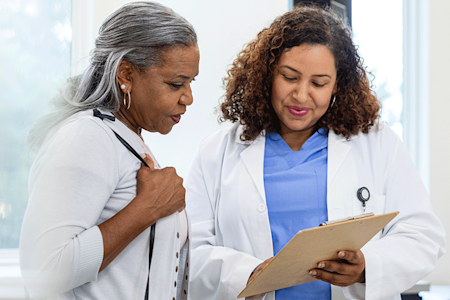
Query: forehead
[179,61]
[318,57]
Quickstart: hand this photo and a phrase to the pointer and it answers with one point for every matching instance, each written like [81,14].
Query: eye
[289,78]
[318,84]
[176,85]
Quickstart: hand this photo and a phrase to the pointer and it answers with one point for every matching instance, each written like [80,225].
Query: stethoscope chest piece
[363,195]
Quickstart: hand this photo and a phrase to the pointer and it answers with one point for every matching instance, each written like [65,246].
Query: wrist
[143,215]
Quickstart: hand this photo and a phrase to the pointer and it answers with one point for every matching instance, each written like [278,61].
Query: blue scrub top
[296,194]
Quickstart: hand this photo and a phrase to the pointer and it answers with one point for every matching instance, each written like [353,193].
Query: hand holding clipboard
[292,264]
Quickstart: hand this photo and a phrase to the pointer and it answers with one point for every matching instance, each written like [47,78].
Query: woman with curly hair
[306,137]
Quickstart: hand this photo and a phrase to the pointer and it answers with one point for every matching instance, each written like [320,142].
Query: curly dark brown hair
[249,81]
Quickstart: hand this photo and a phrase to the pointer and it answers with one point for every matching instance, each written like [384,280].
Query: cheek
[323,100]
[324,105]
[279,92]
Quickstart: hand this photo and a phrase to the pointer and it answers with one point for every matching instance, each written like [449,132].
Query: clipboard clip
[347,219]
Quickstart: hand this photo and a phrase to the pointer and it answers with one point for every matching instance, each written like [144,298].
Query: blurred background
[404,44]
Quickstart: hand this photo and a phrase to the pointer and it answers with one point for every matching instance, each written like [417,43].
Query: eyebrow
[183,77]
[292,69]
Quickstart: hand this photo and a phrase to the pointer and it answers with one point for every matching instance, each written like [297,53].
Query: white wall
[439,119]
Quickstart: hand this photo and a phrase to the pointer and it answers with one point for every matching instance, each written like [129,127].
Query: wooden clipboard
[292,264]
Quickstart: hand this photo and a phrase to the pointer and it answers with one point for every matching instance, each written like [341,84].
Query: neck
[296,139]
[125,117]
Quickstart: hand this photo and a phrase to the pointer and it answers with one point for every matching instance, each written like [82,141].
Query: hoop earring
[332,101]
[125,100]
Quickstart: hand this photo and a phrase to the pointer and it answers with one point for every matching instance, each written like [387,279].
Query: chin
[297,127]
[300,127]
[165,131]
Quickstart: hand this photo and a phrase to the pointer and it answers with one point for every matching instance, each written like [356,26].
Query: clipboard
[302,253]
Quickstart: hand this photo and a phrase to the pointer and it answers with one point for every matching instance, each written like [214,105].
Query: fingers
[350,256]
[259,268]
[333,267]
[336,278]
[348,270]
[149,161]
[333,278]
[256,272]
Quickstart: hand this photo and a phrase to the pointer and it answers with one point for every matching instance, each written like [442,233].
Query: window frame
[416,84]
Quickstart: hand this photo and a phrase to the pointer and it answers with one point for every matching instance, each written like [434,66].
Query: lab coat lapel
[253,158]
[338,149]
[337,190]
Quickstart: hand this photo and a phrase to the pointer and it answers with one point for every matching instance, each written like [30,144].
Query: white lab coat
[230,225]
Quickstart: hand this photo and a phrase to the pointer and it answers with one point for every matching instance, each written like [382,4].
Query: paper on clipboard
[292,264]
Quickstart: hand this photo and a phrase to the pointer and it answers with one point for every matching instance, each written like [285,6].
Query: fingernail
[321,265]
[142,155]
[312,273]
[341,254]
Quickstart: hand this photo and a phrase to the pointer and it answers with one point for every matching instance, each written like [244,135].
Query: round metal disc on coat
[363,194]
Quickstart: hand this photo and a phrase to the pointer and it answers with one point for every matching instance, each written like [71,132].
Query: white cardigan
[82,176]
[230,233]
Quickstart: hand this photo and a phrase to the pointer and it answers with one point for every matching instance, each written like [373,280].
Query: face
[161,95]
[303,84]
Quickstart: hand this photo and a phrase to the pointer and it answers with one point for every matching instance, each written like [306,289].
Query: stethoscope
[363,195]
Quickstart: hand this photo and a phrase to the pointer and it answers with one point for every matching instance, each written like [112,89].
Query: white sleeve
[411,244]
[73,177]
[216,272]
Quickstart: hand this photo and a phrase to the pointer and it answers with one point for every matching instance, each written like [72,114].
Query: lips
[176,118]
[298,111]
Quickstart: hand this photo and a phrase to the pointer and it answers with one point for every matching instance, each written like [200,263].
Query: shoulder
[231,135]
[84,126]
[81,137]
[227,140]
[380,134]
[219,140]
[381,144]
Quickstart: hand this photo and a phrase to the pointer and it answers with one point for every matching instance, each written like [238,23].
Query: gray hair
[138,32]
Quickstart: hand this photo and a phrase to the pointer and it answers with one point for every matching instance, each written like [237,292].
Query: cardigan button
[177,255]
[176,269]
[261,208]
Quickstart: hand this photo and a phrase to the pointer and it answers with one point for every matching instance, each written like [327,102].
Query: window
[378,32]
[35,58]
[393,39]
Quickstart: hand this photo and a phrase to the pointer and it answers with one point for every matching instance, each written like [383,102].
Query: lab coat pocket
[376,204]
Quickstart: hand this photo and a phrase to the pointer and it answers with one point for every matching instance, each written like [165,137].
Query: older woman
[306,138]
[86,232]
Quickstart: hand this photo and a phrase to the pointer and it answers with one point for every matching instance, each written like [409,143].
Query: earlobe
[124,76]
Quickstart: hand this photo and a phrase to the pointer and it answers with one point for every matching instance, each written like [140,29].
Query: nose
[187,98]
[301,92]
